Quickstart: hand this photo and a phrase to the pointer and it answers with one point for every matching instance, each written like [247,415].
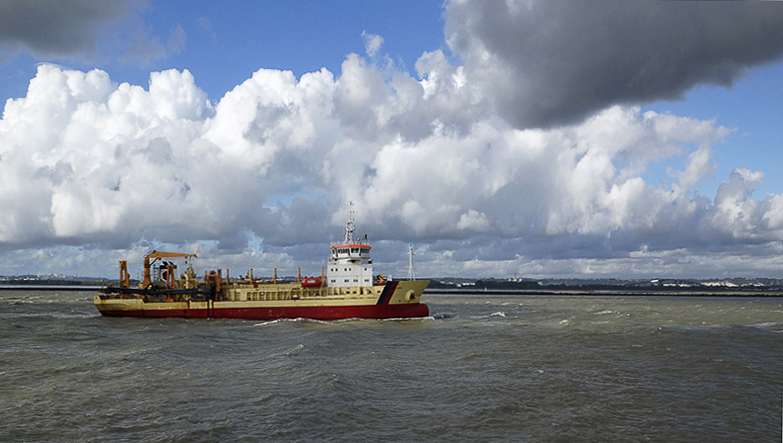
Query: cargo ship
[345,289]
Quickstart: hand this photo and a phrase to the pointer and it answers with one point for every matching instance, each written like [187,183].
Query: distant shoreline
[84,288]
[609,292]
[574,291]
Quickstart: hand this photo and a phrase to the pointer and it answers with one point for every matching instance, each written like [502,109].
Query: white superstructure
[349,263]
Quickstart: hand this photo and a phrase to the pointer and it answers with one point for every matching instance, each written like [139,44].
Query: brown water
[482,368]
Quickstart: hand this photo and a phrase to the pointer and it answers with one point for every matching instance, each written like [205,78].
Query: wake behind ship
[346,290]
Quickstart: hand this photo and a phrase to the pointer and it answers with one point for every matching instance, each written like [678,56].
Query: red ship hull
[274,313]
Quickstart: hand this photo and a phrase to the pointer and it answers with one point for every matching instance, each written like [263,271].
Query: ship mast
[410,263]
[349,228]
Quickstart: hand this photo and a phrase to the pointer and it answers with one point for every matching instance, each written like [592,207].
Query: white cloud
[426,159]
[774,216]
[735,212]
[473,220]
[372,43]
[92,171]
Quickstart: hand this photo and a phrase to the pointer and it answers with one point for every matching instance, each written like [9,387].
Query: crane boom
[155,255]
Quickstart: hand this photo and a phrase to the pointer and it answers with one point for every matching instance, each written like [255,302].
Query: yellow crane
[155,256]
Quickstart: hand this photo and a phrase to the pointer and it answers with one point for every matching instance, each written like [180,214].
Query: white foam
[608,311]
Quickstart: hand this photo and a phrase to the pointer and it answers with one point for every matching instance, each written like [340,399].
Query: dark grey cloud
[551,62]
[53,27]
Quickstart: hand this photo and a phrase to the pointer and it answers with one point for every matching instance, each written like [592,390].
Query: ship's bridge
[352,253]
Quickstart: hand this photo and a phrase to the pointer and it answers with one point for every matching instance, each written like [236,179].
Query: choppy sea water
[481,368]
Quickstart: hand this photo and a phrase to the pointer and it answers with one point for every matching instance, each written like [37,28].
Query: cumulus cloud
[86,161]
[92,171]
[549,63]
[372,43]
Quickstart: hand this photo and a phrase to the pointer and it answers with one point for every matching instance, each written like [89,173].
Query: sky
[499,138]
